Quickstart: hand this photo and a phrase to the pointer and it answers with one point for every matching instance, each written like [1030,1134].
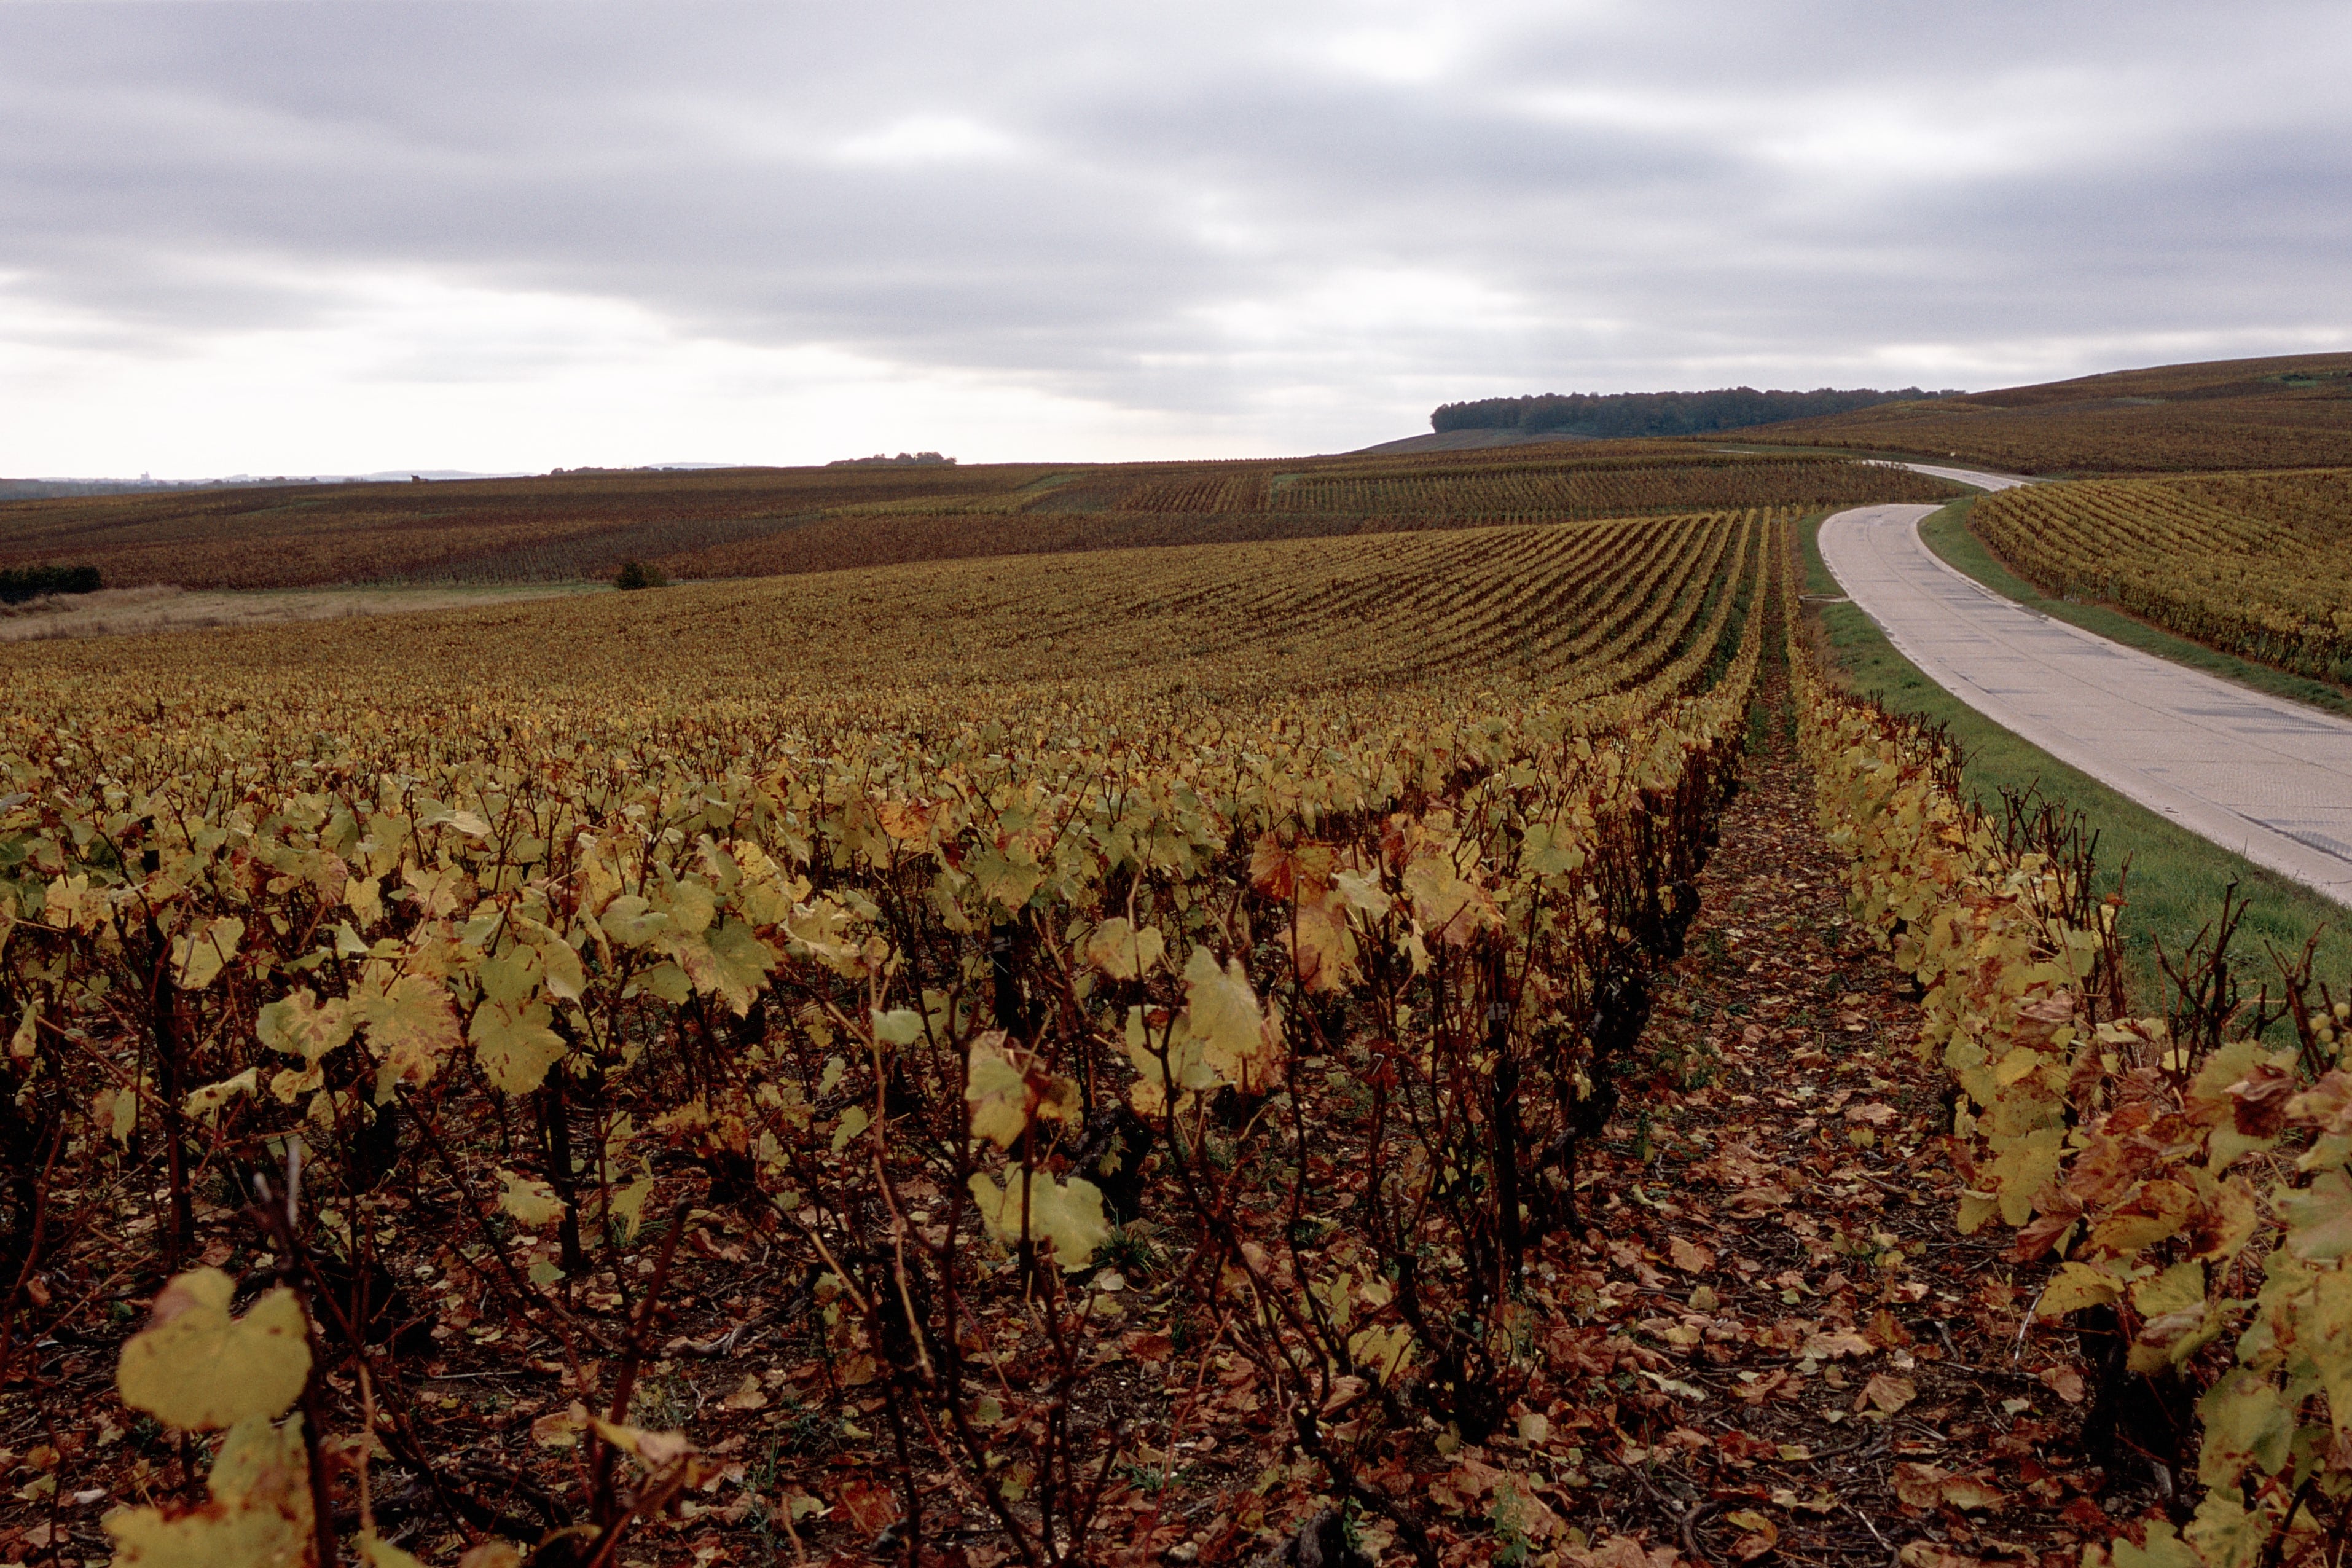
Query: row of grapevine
[1565,488]
[2254,564]
[1562,484]
[485,952]
[2188,1178]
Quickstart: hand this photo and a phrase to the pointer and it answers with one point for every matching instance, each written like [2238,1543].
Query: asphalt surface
[2264,777]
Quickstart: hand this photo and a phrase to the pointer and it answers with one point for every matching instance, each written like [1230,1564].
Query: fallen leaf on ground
[1836,1344]
[1758,1536]
[1888,1393]
[871,1507]
[2064,1381]
[1689,1257]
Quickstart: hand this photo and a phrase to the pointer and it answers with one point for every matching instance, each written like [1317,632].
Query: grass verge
[2176,879]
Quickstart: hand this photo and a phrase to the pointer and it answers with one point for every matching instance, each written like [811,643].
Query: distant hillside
[50,489]
[1624,415]
[761,521]
[1465,441]
[2285,413]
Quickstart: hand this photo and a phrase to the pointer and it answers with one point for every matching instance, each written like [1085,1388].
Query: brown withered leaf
[1836,1344]
[2260,1100]
[871,1506]
[1974,1493]
[1759,1534]
[1921,1486]
[1690,1257]
[1886,1392]
[2064,1381]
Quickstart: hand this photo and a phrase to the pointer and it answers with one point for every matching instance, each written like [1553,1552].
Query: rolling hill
[2284,413]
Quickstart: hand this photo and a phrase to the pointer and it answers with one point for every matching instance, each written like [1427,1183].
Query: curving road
[2258,775]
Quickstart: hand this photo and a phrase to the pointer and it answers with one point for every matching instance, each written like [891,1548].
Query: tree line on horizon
[1620,415]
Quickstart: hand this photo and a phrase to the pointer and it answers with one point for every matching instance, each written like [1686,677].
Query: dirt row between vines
[1851,1379]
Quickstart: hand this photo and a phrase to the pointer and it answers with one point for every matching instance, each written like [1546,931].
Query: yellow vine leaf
[205,1103]
[1068,1217]
[196,1368]
[199,957]
[1186,1065]
[2323,1331]
[1222,1012]
[2319,1218]
[1125,951]
[2247,1423]
[120,1112]
[299,1025]
[258,1516]
[531,1201]
[1007,1087]
[628,1203]
[412,1025]
[514,1043]
[730,963]
[655,1450]
[899,1026]
[375,1551]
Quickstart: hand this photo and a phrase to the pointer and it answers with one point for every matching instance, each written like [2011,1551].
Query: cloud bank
[334,235]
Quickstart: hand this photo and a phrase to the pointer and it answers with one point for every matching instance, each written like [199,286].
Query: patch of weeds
[1150,1479]
[1131,1250]
[806,1432]
[1512,1514]
[1308,1230]
[147,1436]
[660,1404]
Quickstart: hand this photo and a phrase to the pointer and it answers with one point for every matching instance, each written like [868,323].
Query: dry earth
[125,612]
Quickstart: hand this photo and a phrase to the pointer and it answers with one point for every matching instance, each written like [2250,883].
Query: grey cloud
[186,170]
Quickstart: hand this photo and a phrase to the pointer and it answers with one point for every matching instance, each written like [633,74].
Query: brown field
[762,522]
[164,607]
[2293,412]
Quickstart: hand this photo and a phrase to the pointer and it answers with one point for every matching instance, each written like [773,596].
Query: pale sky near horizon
[343,236]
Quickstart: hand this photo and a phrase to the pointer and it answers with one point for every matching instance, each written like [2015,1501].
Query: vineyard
[1295,1050]
[2287,413]
[754,522]
[973,988]
[2255,564]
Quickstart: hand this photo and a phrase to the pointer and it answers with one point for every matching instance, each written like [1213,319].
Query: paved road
[1979,477]
[2257,774]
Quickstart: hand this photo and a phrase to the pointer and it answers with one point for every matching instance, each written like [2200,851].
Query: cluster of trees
[18,584]
[904,459]
[1629,414]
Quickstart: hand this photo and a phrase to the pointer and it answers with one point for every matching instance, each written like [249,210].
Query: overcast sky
[330,235]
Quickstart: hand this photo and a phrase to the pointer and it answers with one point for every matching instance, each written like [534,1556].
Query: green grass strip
[2176,878]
